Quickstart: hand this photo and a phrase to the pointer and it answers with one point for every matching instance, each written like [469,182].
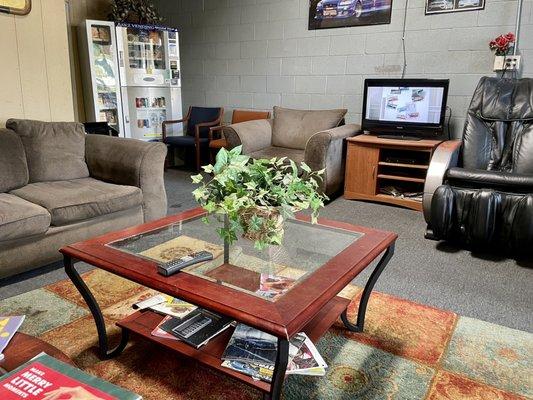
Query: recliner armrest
[444,157]
[130,162]
[252,135]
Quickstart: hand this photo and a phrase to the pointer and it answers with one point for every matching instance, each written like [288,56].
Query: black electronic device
[198,327]
[177,265]
[410,109]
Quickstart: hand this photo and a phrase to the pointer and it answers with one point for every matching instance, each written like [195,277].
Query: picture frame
[328,14]
[16,7]
[450,6]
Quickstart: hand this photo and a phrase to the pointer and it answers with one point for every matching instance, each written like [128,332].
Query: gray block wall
[255,54]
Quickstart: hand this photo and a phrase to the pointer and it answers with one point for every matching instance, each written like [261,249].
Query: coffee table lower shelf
[144,322]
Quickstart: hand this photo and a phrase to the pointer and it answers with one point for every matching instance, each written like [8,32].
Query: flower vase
[262,224]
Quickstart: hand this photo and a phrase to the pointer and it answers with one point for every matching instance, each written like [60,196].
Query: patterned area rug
[408,351]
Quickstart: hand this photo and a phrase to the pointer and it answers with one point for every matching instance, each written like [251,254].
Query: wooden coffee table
[322,259]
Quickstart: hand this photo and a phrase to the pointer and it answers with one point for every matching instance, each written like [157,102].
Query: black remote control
[174,266]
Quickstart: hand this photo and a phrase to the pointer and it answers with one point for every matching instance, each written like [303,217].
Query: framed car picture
[446,6]
[18,7]
[325,14]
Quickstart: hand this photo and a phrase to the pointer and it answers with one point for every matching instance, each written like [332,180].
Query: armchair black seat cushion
[185,141]
[197,123]
[483,197]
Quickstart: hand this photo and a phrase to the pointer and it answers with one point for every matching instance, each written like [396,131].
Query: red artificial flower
[502,43]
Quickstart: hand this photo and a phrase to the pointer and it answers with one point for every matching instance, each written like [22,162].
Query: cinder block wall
[258,53]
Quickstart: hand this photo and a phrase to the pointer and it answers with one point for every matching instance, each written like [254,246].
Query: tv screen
[405,106]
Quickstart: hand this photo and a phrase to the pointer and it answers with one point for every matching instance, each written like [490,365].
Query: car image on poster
[343,13]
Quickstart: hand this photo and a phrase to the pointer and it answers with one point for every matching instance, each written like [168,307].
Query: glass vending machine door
[105,75]
[145,56]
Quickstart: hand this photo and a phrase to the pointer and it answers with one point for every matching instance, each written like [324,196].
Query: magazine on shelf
[158,332]
[304,359]
[44,378]
[307,361]
[198,327]
[251,345]
[167,305]
[8,327]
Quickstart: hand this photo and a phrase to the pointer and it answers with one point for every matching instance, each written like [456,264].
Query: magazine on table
[167,305]
[44,377]
[8,327]
[274,286]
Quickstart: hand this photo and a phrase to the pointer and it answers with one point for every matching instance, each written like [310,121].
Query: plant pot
[269,230]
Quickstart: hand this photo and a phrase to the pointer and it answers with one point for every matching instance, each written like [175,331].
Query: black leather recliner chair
[479,190]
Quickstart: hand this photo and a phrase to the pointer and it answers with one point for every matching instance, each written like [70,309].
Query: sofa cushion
[293,128]
[20,218]
[80,199]
[292,154]
[55,151]
[13,166]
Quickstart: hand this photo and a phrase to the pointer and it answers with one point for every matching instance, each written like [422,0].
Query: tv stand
[400,137]
[391,171]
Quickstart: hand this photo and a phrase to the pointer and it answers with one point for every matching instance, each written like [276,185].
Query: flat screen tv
[405,108]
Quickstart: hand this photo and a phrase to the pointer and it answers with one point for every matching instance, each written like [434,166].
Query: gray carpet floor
[489,288]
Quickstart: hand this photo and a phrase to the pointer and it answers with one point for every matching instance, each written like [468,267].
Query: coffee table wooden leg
[282,358]
[359,326]
[103,342]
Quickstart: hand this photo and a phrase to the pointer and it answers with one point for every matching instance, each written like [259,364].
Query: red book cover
[48,379]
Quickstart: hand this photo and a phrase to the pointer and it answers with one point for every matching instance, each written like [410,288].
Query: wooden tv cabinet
[374,163]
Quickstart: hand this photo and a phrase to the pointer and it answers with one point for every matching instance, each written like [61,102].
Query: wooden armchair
[196,130]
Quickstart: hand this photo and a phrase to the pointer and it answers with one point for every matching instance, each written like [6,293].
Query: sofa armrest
[445,156]
[130,162]
[325,150]
[252,135]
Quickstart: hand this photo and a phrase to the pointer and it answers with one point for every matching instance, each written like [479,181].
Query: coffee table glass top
[269,273]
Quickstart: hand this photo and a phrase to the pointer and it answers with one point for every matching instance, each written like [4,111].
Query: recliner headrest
[503,99]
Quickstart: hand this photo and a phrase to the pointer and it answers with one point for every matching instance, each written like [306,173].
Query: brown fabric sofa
[315,137]
[59,186]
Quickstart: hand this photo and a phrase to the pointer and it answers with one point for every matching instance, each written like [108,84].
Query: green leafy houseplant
[255,196]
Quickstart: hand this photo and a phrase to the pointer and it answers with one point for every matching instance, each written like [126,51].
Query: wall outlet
[508,63]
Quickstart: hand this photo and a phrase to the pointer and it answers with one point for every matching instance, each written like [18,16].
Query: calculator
[192,325]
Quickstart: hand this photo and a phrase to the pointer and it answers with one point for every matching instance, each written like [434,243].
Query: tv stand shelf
[375,164]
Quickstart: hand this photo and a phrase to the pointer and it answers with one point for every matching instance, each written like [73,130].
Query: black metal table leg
[358,327]
[282,358]
[96,312]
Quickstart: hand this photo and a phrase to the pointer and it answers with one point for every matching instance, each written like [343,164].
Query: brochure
[166,305]
[8,327]
[44,377]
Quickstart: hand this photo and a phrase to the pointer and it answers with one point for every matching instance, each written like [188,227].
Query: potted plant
[254,197]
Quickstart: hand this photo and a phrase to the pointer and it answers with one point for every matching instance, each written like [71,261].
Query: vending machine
[148,78]
[101,83]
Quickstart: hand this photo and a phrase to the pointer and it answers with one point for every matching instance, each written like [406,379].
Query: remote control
[174,266]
